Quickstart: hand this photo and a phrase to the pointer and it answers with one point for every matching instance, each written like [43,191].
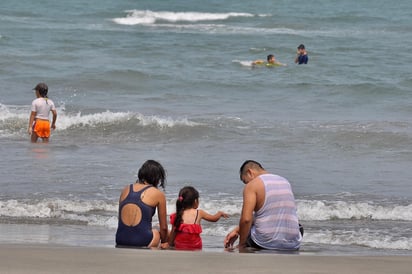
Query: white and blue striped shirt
[276,224]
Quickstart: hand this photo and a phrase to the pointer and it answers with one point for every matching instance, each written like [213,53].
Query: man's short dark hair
[249,164]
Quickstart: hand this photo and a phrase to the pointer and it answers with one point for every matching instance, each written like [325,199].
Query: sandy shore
[63,259]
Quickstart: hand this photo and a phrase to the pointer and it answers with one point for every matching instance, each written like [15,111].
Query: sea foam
[307,210]
[341,210]
[13,120]
[137,17]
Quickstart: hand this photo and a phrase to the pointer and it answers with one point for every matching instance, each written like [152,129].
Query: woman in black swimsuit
[137,205]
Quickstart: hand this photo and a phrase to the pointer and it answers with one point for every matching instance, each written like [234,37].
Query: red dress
[187,236]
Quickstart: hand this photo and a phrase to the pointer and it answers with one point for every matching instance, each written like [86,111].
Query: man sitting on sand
[268,219]
[271,62]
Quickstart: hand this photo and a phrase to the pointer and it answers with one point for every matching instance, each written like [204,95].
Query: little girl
[185,222]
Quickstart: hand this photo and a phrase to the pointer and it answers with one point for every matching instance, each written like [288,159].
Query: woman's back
[137,206]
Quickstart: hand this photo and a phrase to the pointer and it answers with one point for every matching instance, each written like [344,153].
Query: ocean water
[172,81]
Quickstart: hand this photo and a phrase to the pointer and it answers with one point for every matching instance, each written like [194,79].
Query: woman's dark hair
[187,197]
[152,173]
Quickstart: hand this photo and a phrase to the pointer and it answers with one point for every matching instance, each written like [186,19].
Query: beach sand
[69,259]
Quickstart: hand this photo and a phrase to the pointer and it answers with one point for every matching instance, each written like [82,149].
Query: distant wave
[137,17]
[109,117]
[177,21]
[14,119]
[204,22]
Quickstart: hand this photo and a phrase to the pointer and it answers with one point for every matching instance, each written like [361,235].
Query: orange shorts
[42,128]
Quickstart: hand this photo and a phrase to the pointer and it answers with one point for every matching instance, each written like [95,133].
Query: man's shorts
[42,128]
[251,243]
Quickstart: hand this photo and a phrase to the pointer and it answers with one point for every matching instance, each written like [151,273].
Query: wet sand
[35,258]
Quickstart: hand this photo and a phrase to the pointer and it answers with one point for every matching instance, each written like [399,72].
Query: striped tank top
[276,224]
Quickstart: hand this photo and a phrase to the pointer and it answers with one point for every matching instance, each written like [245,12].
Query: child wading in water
[39,124]
[185,222]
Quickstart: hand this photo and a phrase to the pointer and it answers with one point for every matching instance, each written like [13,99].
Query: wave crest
[341,210]
[144,17]
[13,120]
[313,210]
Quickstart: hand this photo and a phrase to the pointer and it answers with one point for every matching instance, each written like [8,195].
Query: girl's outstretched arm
[212,218]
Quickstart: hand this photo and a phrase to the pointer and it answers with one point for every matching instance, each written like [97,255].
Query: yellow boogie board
[265,64]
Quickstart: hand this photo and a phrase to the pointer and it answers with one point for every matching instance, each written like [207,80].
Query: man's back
[276,224]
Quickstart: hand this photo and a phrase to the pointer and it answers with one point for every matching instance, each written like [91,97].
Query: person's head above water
[271,58]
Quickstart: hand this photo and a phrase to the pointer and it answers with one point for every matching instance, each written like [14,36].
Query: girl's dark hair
[42,88]
[152,173]
[43,92]
[187,197]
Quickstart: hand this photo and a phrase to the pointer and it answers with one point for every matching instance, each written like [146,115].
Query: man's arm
[231,238]
[246,219]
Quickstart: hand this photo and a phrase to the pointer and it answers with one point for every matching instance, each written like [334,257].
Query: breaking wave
[144,17]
